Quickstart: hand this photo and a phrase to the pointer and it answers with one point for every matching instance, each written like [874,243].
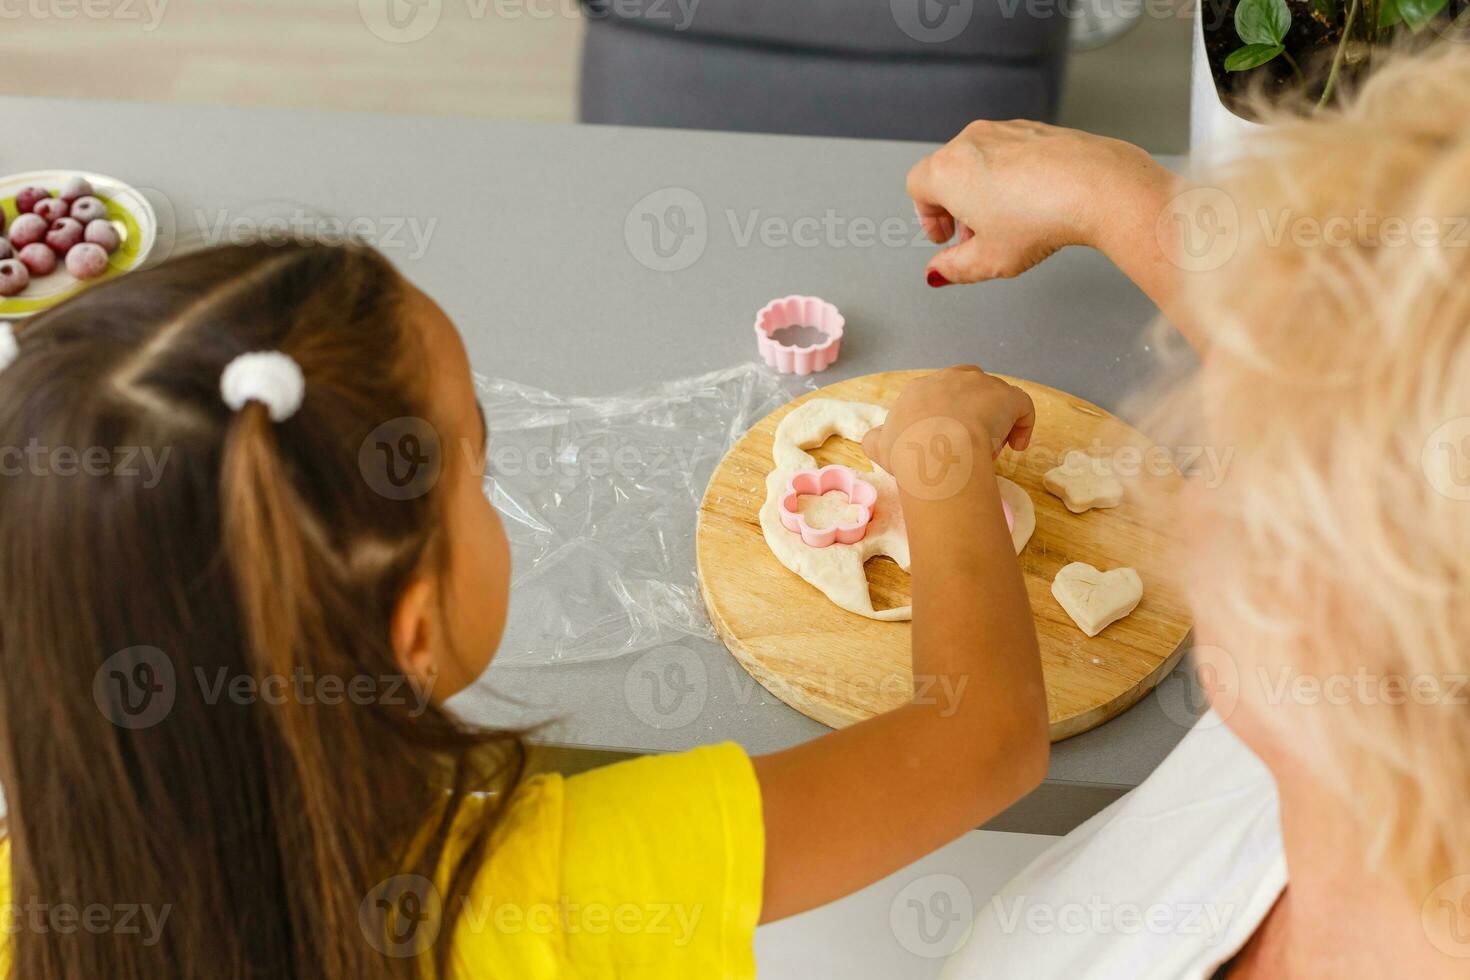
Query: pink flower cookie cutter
[798,311]
[817,482]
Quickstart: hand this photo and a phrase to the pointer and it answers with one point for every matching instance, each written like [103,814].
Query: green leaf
[1418,13]
[1389,14]
[1326,10]
[1252,56]
[1262,21]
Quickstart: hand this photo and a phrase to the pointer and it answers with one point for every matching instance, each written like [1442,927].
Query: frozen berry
[51,208]
[28,228]
[27,198]
[6,251]
[74,188]
[39,259]
[102,233]
[13,277]
[86,261]
[64,233]
[88,209]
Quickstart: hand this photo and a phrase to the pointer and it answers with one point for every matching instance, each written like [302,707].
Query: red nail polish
[936,280]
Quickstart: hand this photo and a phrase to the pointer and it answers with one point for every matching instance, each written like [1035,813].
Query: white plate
[129,211]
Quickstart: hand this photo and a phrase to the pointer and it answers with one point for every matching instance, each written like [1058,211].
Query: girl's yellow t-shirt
[650,868]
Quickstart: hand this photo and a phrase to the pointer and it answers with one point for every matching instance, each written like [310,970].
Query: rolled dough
[837,570]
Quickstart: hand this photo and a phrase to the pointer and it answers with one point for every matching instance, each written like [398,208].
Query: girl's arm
[1017,192]
[848,808]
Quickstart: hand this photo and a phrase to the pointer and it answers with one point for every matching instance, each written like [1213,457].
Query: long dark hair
[239,549]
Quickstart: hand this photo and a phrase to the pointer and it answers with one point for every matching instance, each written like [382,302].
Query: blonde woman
[1317,822]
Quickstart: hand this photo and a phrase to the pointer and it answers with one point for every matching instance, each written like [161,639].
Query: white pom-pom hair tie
[9,349]
[265,376]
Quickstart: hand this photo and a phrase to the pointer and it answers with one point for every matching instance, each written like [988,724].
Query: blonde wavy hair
[1338,369]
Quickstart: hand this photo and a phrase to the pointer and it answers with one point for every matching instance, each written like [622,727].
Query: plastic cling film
[599,499]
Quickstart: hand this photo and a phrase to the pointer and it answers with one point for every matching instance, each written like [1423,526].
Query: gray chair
[897,69]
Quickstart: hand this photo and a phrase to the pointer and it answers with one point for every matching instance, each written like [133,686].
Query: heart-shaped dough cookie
[1083,482]
[1096,599]
[837,570]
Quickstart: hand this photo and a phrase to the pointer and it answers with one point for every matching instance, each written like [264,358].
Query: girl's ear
[413,630]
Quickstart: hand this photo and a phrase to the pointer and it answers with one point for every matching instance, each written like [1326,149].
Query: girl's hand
[845,809]
[1013,193]
[990,411]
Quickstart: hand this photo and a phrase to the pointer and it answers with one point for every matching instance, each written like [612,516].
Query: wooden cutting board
[838,667]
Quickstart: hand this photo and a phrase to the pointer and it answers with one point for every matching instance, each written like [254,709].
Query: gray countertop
[537,241]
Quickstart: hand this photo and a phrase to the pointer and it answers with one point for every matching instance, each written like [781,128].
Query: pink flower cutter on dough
[816,483]
[798,311]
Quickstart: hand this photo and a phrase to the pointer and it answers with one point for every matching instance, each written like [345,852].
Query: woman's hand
[1012,193]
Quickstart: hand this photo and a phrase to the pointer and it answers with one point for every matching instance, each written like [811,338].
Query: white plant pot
[1215,133]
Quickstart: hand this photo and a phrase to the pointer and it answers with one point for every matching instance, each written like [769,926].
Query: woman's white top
[1168,883]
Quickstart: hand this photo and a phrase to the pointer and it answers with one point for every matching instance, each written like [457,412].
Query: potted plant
[1311,48]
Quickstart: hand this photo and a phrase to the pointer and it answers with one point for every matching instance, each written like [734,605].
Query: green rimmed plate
[127,209]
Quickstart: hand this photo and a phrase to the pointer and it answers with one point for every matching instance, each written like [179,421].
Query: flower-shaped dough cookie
[837,570]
